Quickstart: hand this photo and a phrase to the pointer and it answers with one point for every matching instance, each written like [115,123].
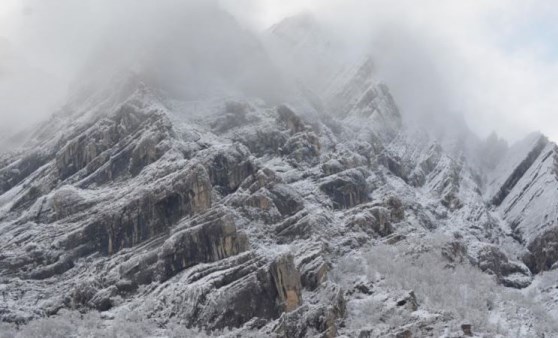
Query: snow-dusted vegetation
[456,291]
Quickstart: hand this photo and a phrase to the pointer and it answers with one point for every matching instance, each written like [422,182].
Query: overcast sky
[494,61]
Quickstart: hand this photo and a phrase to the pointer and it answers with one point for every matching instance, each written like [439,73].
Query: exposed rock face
[347,189]
[229,167]
[314,319]
[264,141]
[524,189]
[313,268]
[543,251]
[409,301]
[377,218]
[149,214]
[286,199]
[286,279]
[519,171]
[454,252]
[13,173]
[509,273]
[211,241]
[302,148]
[102,136]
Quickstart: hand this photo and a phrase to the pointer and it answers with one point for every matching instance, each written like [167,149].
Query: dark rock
[454,252]
[229,167]
[261,142]
[409,301]
[302,148]
[15,172]
[519,171]
[313,269]
[467,330]
[64,264]
[234,291]
[395,165]
[138,270]
[365,334]
[302,225]
[332,166]
[125,286]
[208,242]
[234,116]
[286,279]
[509,273]
[374,221]
[104,134]
[404,334]
[321,318]
[347,189]
[102,300]
[286,199]
[363,287]
[82,293]
[64,202]
[396,208]
[148,214]
[543,251]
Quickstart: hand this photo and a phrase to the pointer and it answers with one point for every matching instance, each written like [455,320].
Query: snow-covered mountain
[324,215]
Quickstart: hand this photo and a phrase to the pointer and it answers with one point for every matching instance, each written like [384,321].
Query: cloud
[493,61]
[190,48]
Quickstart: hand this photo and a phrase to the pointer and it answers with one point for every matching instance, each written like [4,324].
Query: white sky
[494,61]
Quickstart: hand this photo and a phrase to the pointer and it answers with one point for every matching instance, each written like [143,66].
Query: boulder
[491,259]
[286,279]
[543,251]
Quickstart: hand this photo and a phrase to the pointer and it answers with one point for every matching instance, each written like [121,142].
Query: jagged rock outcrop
[210,241]
[102,136]
[523,187]
[139,219]
[313,268]
[376,219]
[347,189]
[312,319]
[228,167]
[543,251]
[510,273]
[13,172]
[286,279]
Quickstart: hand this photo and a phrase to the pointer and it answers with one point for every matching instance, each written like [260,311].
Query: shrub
[458,292]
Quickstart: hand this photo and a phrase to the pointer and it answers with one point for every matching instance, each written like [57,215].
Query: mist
[190,50]
[439,59]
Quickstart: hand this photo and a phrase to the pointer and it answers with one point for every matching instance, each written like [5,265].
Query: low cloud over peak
[494,62]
